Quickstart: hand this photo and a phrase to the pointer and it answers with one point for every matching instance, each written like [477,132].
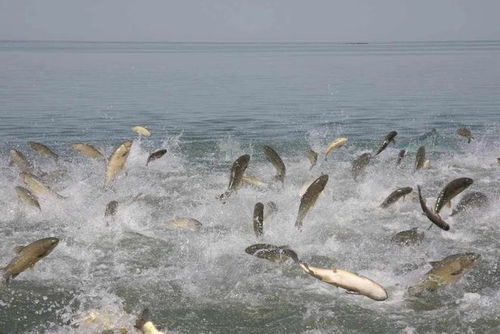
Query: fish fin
[18,249]
[145,317]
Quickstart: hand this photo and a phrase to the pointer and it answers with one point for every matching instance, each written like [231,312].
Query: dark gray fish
[359,165]
[408,237]
[271,252]
[313,157]
[309,198]
[156,155]
[275,159]
[401,155]
[258,219]
[387,140]
[235,179]
[27,257]
[395,196]
[420,158]
[451,190]
[111,209]
[465,133]
[471,200]
[42,149]
[433,217]
[19,159]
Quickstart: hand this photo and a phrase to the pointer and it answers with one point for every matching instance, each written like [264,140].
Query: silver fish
[258,219]
[19,159]
[395,196]
[237,171]
[117,161]
[420,158]
[387,140]
[451,190]
[359,165]
[42,149]
[433,216]
[87,150]
[313,157]
[156,155]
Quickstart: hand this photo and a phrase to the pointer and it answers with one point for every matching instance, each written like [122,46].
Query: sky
[250,20]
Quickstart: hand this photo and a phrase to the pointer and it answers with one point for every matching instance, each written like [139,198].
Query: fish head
[468,181]
[468,260]
[48,244]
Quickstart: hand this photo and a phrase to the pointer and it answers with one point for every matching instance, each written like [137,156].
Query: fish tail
[145,317]
[4,277]
[292,255]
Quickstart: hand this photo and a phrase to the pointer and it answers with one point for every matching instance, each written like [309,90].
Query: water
[208,104]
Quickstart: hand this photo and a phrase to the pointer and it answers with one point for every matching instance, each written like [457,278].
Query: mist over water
[208,104]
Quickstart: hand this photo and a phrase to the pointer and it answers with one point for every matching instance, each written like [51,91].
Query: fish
[27,197]
[271,252]
[270,208]
[408,237]
[145,325]
[156,155]
[395,196]
[184,223]
[451,190]
[351,282]
[444,272]
[19,159]
[87,150]
[236,177]
[309,198]
[401,155]
[141,130]
[27,257]
[387,140]
[471,200]
[42,149]
[253,180]
[258,219]
[359,165]
[465,133]
[276,161]
[117,161]
[111,209]
[37,187]
[420,158]
[433,216]
[313,157]
[337,143]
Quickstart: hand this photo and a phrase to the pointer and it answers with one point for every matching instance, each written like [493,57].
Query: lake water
[208,104]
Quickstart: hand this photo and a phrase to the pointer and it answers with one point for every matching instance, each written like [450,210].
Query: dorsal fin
[18,249]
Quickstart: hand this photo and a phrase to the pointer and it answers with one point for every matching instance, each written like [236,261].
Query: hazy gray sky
[249,20]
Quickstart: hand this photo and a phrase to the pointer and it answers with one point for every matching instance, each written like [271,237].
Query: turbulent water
[208,104]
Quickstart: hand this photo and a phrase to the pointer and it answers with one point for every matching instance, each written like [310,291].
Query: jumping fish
[42,149]
[258,219]
[465,133]
[37,186]
[275,159]
[387,140]
[395,196]
[145,324]
[87,150]
[184,223]
[27,197]
[253,180]
[433,216]
[353,283]
[27,257]
[401,155]
[359,165]
[408,237]
[471,200]
[444,272]
[156,155]
[19,159]
[451,190]
[309,198]
[271,252]
[334,144]
[420,158]
[235,179]
[141,130]
[313,157]
[111,209]
[117,161]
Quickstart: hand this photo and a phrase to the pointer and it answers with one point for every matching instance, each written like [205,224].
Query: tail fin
[4,277]
[145,317]
[292,255]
